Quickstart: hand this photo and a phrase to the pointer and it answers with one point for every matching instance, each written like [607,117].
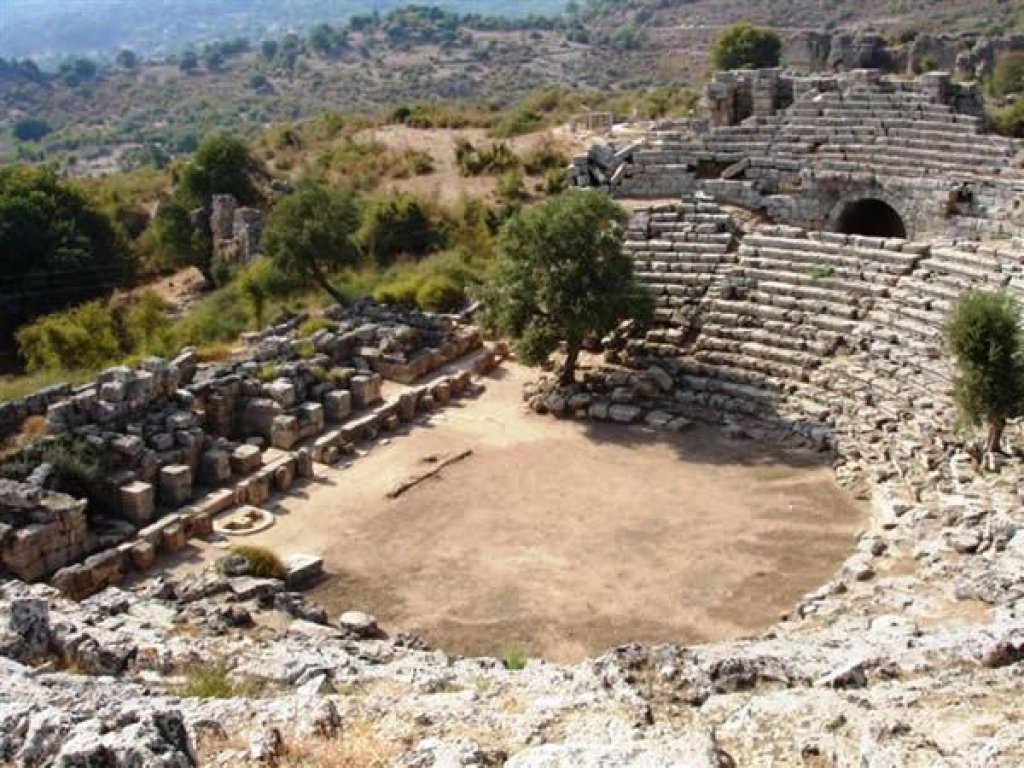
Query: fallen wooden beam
[412,482]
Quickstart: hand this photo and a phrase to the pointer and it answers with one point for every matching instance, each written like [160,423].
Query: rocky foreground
[890,664]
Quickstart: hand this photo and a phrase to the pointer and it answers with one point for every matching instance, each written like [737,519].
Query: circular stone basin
[243,521]
[561,538]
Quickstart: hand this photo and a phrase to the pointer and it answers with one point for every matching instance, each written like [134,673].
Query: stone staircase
[677,251]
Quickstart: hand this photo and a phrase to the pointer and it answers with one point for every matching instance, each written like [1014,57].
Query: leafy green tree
[744,46]
[561,275]
[31,129]
[311,232]
[396,224]
[188,61]
[178,242]
[984,335]
[57,248]
[221,165]
[1008,75]
[127,59]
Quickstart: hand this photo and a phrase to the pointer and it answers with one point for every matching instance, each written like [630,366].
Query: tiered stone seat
[677,251]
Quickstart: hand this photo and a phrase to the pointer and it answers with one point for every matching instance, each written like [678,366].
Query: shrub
[544,157]
[1010,121]
[315,324]
[262,562]
[222,316]
[145,322]
[745,46]
[556,181]
[82,338]
[79,471]
[213,681]
[1008,75]
[401,292]
[440,294]
[395,224]
[305,349]
[513,659]
[511,187]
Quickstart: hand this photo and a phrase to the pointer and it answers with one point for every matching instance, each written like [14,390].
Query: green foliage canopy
[1008,75]
[223,164]
[984,335]
[561,274]
[56,247]
[745,46]
[311,232]
[396,224]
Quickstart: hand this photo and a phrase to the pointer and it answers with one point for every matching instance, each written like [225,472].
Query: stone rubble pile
[181,443]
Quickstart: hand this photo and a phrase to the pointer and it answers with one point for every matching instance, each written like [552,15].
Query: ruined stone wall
[181,442]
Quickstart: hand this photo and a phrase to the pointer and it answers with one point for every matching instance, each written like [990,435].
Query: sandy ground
[446,184]
[562,539]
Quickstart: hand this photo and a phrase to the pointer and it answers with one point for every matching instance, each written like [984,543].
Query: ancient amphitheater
[818,231]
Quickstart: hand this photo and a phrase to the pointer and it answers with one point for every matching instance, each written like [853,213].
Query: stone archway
[871,216]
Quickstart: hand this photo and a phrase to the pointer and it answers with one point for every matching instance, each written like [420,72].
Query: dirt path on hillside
[563,539]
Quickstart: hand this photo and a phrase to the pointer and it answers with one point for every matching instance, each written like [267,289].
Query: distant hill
[50,29]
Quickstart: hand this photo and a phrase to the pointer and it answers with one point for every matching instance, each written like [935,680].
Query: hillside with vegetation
[102,114]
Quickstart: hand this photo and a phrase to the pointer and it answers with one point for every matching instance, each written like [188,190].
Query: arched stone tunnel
[869,216]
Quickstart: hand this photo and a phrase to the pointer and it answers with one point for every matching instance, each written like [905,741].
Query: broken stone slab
[359,623]
[253,588]
[302,569]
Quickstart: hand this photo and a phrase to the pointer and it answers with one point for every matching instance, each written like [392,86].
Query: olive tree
[561,275]
[311,232]
[984,336]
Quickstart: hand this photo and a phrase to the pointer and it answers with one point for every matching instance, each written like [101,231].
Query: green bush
[213,681]
[1008,75]
[315,324]
[544,157]
[440,294]
[511,187]
[145,323]
[401,292]
[82,338]
[1010,121]
[262,562]
[513,659]
[396,224]
[79,471]
[745,46]
[556,181]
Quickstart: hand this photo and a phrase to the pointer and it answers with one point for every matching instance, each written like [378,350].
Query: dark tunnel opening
[871,217]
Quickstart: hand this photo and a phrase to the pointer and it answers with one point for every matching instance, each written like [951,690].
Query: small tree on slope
[984,335]
[310,234]
[561,275]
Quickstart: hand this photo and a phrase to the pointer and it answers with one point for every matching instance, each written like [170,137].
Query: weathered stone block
[137,502]
[246,459]
[284,432]
[338,405]
[366,390]
[142,555]
[175,485]
[311,419]
[281,391]
[214,467]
